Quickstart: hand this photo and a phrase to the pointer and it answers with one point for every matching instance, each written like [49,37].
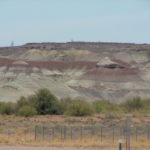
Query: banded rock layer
[82,70]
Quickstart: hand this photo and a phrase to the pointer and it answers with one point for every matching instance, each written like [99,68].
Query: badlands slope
[90,71]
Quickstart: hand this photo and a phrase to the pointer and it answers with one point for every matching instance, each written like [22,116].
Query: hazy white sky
[81,20]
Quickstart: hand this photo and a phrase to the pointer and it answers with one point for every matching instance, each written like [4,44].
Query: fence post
[65,132]
[25,134]
[113,135]
[136,130]
[120,132]
[91,130]
[148,132]
[120,144]
[61,132]
[35,131]
[128,133]
[81,132]
[71,132]
[101,134]
[43,132]
[8,134]
[53,132]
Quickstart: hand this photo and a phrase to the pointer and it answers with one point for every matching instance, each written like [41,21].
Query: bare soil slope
[91,71]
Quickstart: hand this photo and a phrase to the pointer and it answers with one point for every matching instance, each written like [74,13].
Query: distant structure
[72,40]
[12,44]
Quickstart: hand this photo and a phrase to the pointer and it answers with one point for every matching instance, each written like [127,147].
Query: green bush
[79,108]
[45,102]
[64,105]
[22,102]
[7,108]
[27,111]
[146,105]
[133,104]
[103,106]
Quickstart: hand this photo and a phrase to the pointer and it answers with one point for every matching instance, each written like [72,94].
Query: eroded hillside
[89,71]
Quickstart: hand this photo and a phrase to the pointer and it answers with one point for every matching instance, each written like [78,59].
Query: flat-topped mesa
[94,46]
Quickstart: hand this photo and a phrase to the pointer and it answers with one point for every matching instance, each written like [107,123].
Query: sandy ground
[47,148]
[53,148]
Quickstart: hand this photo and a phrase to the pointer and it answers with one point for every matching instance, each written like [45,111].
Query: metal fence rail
[111,134]
[101,132]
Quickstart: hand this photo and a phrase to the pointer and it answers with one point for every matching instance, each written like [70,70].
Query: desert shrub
[103,106]
[56,108]
[133,104]
[32,100]
[22,102]
[79,108]
[27,111]
[26,101]
[145,106]
[64,105]
[45,102]
[7,108]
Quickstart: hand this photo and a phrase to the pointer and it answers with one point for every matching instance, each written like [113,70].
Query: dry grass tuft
[19,138]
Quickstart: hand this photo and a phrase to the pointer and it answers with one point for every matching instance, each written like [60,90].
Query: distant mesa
[84,70]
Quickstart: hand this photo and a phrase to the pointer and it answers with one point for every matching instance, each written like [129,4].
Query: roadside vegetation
[43,102]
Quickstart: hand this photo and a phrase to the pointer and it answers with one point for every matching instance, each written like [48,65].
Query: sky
[23,21]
